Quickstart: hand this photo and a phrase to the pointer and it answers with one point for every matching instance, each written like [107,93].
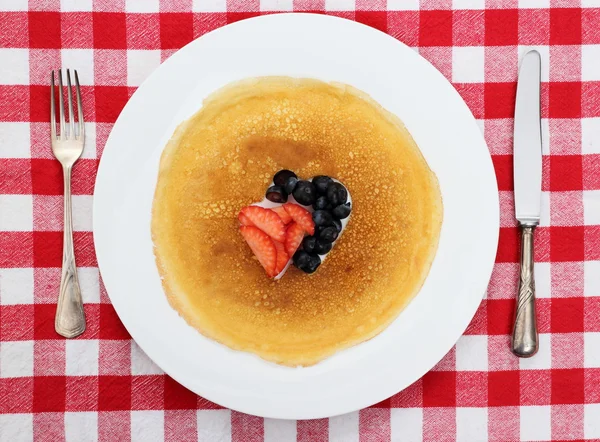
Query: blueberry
[321,182]
[305,193]
[321,203]
[342,211]
[338,224]
[322,218]
[336,194]
[328,234]
[322,248]
[309,244]
[290,184]
[276,194]
[306,262]
[282,176]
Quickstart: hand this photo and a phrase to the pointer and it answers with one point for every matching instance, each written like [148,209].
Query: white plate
[332,49]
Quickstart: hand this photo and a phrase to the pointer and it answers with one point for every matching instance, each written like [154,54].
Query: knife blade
[527,166]
[527,160]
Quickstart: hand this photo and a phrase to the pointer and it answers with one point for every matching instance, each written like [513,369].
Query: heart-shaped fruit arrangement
[279,230]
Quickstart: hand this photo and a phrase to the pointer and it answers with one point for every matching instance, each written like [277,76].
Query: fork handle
[70,317]
[525,335]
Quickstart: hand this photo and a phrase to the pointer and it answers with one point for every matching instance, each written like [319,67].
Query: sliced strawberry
[285,217]
[295,235]
[266,220]
[244,221]
[282,257]
[263,248]
[301,216]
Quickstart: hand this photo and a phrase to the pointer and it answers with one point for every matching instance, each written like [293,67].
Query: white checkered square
[89,281]
[83,61]
[591,421]
[543,279]
[82,212]
[14,140]
[211,422]
[16,359]
[591,207]
[277,5]
[148,426]
[544,54]
[142,6]
[13,5]
[81,426]
[16,286]
[16,213]
[76,5]
[471,353]
[140,64]
[591,349]
[278,430]
[471,424]
[468,4]
[14,66]
[545,136]
[406,424]
[534,4]
[590,3]
[591,278]
[542,359]
[590,135]
[545,210]
[468,64]
[209,6]
[16,427]
[344,428]
[535,423]
[140,363]
[89,149]
[82,357]
[590,62]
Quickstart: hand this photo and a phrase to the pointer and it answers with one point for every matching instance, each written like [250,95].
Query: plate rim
[97,205]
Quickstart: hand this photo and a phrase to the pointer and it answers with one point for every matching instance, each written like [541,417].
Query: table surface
[102,387]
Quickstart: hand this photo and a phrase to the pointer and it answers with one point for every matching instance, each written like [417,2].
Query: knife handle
[525,335]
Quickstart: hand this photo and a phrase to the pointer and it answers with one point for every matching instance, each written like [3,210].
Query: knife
[527,166]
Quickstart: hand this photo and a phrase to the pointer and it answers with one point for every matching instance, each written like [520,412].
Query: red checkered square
[16,395]
[499,315]
[49,357]
[435,28]
[535,387]
[566,172]
[565,100]
[565,63]
[16,322]
[566,208]
[591,172]
[110,67]
[176,30]
[177,396]
[181,425]
[299,5]
[411,396]
[114,393]
[473,94]
[41,63]
[478,325]
[439,389]
[501,63]
[591,380]
[110,100]
[503,165]
[44,30]
[502,389]
[47,177]
[508,245]
[114,425]
[375,19]
[565,26]
[15,106]
[77,30]
[46,283]
[147,392]
[501,27]
[567,279]
[47,249]
[81,393]
[441,58]
[567,422]
[499,356]
[143,31]
[14,30]
[16,249]
[534,26]
[111,326]
[507,209]
[503,423]
[115,357]
[499,136]
[39,104]
[592,243]
[439,424]
[49,393]
[567,244]
[591,311]
[109,30]
[204,23]
[43,316]
[468,28]
[471,389]
[448,362]
[567,350]
[543,307]
[176,5]
[504,281]
[589,25]
[232,17]
[251,428]
[48,426]
[375,422]
[589,95]
[567,386]
[500,100]
[565,136]
[567,315]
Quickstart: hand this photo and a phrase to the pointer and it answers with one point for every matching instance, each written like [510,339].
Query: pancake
[224,157]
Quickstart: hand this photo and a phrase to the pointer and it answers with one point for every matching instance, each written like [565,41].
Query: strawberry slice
[244,221]
[282,257]
[266,220]
[263,248]
[285,217]
[301,216]
[295,235]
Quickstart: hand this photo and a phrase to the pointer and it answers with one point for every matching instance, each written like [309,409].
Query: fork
[67,147]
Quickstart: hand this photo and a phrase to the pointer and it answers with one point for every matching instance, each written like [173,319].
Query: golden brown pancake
[223,158]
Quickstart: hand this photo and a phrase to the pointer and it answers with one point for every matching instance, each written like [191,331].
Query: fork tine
[61,106]
[52,108]
[71,115]
[79,105]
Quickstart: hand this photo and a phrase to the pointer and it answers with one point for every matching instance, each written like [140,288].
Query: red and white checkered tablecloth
[102,387]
